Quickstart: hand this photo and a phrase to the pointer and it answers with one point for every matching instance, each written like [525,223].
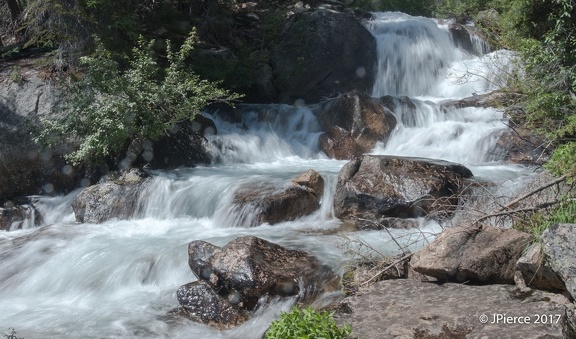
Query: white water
[118,279]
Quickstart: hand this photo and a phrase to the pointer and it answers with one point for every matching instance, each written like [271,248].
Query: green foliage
[564,212]
[306,323]
[412,7]
[108,107]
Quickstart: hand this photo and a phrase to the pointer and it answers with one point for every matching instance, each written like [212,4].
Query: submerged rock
[475,254]
[14,217]
[354,122]
[244,272]
[115,197]
[377,186]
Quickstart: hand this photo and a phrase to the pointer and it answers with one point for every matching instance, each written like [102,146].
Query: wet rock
[475,254]
[199,254]
[377,186]
[312,38]
[533,271]
[522,146]
[248,268]
[312,180]
[492,99]
[461,37]
[21,216]
[116,196]
[558,247]
[204,304]
[354,123]
[415,309]
[265,203]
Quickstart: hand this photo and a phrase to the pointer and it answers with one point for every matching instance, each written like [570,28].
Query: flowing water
[118,279]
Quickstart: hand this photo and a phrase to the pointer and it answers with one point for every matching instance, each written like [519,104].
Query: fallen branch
[516,211]
[387,268]
[527,195]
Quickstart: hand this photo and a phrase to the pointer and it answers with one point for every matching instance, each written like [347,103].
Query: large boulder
[558,247]
[322,53]
[416,309]
[475,254]
[354,123]
[116,196]
[249,268]
[202,303]
[378,186]
[258,203]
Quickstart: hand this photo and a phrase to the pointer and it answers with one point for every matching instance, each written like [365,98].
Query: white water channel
[118,279]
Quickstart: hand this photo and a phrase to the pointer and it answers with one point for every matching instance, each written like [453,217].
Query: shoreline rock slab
[558,247]
[475,254]
[415,309]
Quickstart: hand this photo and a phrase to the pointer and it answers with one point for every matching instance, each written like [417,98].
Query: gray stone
[115,197]
[533,271]
[415,309]
[558,247]
[476,254]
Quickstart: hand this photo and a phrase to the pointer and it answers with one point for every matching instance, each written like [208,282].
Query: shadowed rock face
[386,186]
[481,255]
[249,268]
[322,53]
[354,122]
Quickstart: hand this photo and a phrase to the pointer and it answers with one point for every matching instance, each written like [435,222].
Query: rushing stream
[119,278]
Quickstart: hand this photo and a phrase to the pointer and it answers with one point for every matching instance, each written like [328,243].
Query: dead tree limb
[406,257]
[531,193]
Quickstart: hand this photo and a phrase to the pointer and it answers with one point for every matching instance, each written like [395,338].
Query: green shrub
[306,323]
[108,107]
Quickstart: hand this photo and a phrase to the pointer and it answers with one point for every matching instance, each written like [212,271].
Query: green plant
[108,107]
[563,212]
[306,323]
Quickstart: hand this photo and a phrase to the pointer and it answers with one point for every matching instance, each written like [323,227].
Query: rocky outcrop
[522,146]
[476,254]
[415,309]
[377,186]
[244,271]
[322,53]
[354,122]
[558,247]
[26,169]
[258,203]
[116,196]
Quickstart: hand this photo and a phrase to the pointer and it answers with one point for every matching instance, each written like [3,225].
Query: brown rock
[481,255]
[378,186]
[354,121]
[311,180]
[532,271]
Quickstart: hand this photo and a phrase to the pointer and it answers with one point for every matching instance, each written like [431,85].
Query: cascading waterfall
[118,279]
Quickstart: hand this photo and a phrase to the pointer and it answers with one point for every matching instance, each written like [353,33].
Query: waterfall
[118,279]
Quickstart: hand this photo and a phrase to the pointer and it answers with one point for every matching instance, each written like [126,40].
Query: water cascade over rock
[122,266]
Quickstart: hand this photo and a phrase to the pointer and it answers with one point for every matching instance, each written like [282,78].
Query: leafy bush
[108,107]
[306,323]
